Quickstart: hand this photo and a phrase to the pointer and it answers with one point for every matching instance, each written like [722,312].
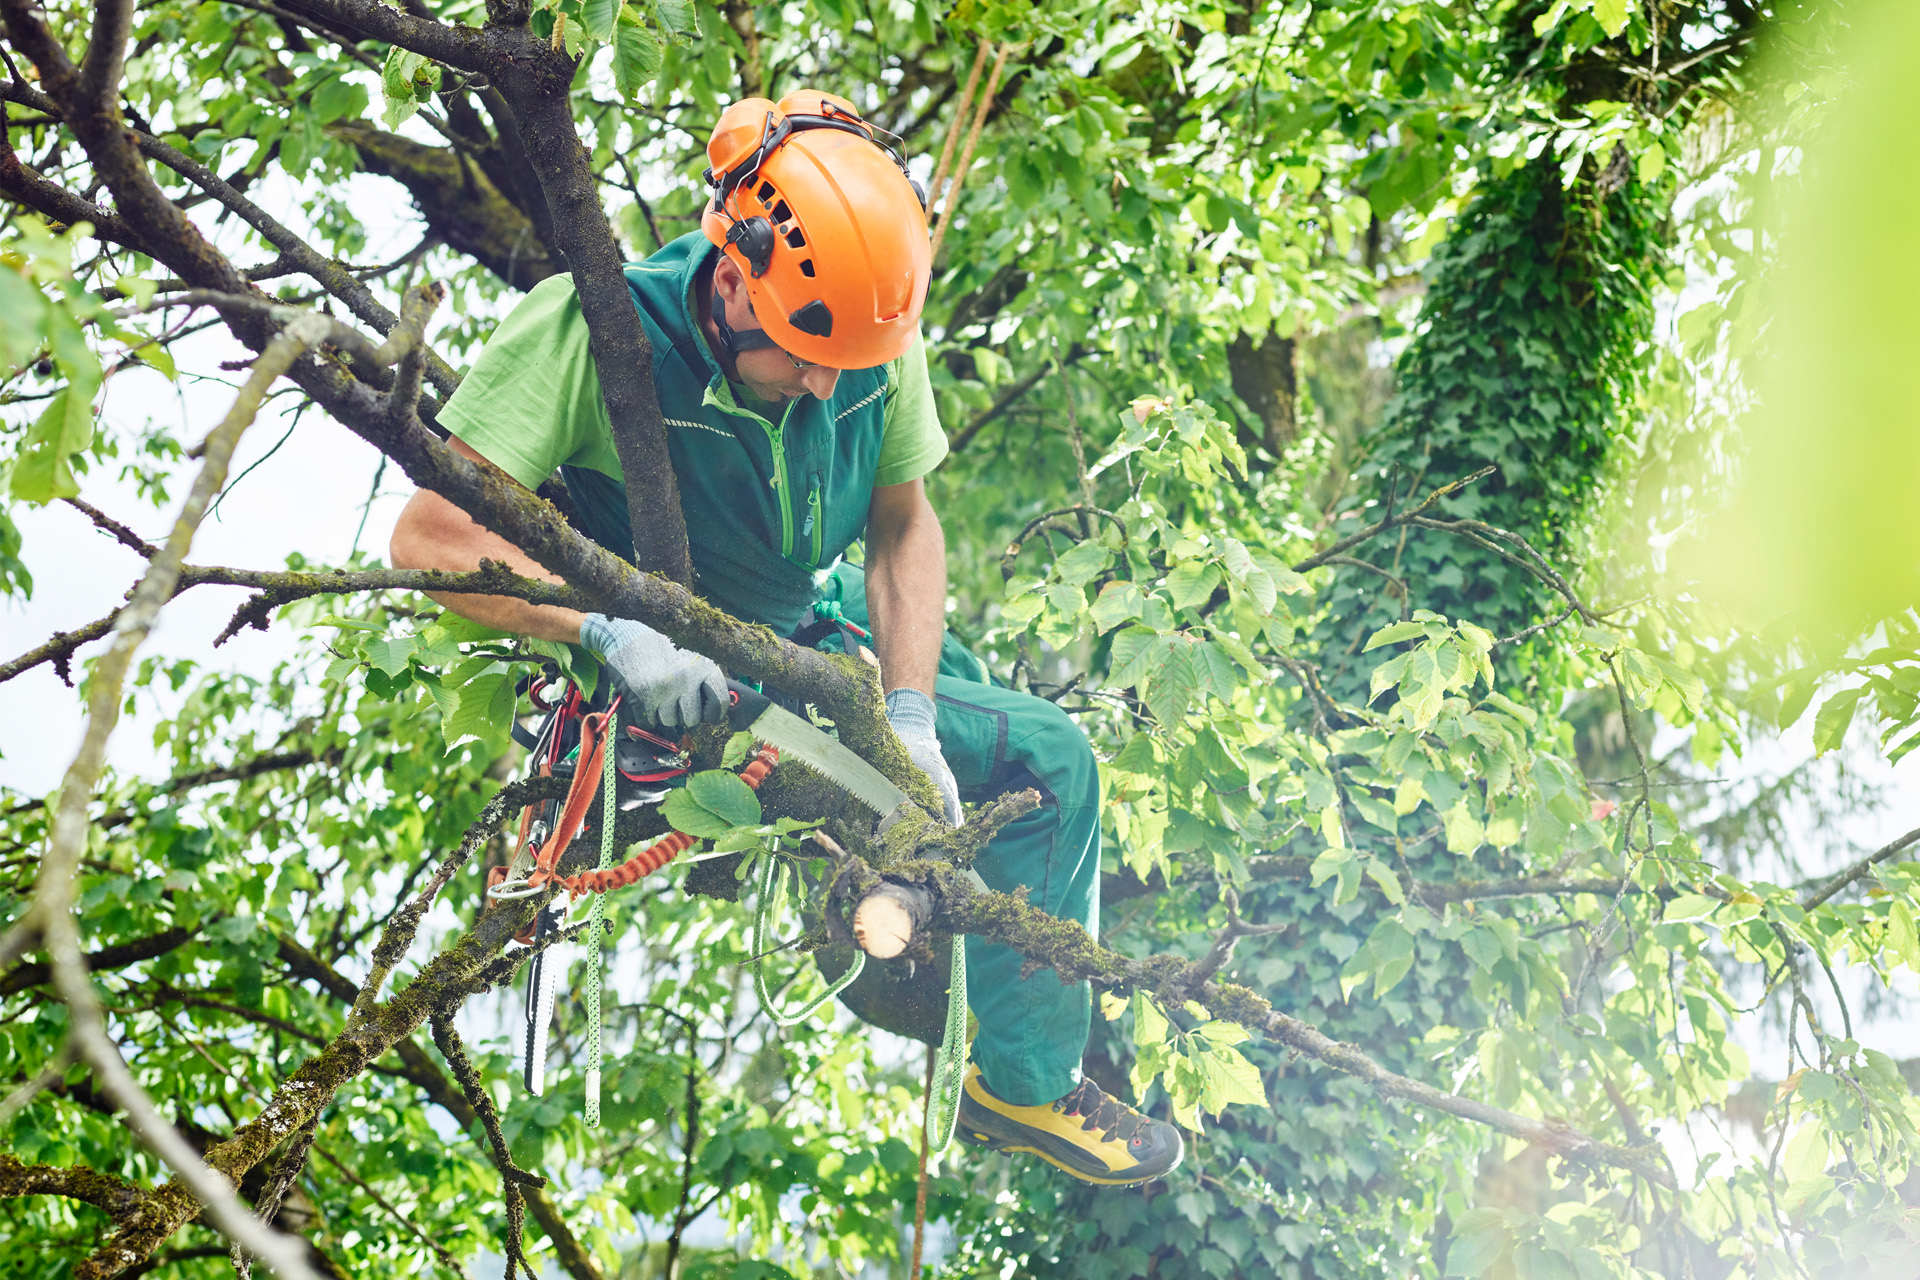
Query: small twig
[1538,627]
[1224,942]
[1859,869]
[121,534]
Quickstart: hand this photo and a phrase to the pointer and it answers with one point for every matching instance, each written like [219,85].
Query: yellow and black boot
[1093,1136]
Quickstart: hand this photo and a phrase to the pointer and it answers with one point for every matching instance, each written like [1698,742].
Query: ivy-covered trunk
[1524,360]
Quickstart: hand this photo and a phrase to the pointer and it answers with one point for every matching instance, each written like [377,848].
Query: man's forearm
[907,599]
[434,534]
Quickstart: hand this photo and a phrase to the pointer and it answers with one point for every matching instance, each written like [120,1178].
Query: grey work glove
[910,712]
[672,687]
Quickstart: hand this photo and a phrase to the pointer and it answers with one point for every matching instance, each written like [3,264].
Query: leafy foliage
[1378,758]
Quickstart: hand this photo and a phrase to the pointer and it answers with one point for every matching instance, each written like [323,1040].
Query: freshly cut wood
[886,919]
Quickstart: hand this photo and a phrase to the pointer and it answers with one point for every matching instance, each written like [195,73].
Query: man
[791,375]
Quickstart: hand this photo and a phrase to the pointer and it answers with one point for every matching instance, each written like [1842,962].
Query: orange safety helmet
[822,219]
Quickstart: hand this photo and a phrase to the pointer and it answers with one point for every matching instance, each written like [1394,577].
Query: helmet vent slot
[806,268]
[795,239]
[780,213]
[766,192]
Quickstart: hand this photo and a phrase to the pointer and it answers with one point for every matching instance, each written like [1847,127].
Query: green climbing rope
[596,920]
[951,1064]
[771,877]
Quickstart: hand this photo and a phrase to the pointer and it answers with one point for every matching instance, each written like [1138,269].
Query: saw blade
[792,736]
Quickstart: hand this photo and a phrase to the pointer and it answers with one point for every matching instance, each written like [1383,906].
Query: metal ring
[515,889]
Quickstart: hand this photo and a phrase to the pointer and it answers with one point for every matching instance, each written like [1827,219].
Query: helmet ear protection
[753,237]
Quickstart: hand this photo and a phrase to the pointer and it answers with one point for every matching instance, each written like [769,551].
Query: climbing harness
[627,767]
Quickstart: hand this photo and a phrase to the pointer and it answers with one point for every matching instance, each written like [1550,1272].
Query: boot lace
[1103,1112]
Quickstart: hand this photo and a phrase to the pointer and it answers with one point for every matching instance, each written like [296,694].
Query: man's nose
[820,381]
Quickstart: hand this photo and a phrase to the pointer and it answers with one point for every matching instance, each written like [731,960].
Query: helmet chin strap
[735,340]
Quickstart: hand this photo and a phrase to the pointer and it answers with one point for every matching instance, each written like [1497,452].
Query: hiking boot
[1092,1136]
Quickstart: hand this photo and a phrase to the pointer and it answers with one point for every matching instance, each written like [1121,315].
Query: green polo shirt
[532,401]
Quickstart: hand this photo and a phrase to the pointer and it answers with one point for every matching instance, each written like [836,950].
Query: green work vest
[771,504]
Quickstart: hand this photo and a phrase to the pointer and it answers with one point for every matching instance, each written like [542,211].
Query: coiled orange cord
[654,856]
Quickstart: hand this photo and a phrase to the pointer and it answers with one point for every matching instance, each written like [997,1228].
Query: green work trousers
[1033,1029]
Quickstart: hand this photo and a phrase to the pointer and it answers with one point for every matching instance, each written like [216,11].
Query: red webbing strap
[587,768]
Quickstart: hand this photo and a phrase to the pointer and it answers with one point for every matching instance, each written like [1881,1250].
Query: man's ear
[727,280]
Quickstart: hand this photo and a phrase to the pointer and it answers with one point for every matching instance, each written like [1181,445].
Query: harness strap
[588,768]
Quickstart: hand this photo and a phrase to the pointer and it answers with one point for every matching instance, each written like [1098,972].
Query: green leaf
[1117,602]
[1386,676]
[1223,1033]
[599,16]
[1137,757]
[1231,1078]
[336,99]
[1381,874]
[1464,832]
[1902,939]
[1149,1024]
[1136,652]
[1806,1153]
[1192,583]
[397,85]
[739,747]
[1482,946]
[1395,634]
[688,815]
[1611,15]
[636,56]
[1082,562]
[1835,715]
[1689,906]
[42,472]
[1329,864]
[390,653]
[485,711]
[1480,1237]
[1375,809]
[677,17]
[724,795]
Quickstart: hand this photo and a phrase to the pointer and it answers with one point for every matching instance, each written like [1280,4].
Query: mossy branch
[1068,949]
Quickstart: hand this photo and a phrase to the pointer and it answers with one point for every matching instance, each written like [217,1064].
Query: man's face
[770,373]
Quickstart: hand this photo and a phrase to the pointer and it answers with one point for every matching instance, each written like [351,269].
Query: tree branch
[1858,870]
[102,1191]
[1071,952]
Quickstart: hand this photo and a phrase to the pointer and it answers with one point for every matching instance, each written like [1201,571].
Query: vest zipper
[777,438]
[814,525]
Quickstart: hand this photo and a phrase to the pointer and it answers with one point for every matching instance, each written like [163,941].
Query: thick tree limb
[619,346]
[465,208]
[535,82]
[1071,952]
[102,1191]
[118,956]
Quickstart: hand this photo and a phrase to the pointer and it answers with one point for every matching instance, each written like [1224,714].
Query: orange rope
[654,856]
